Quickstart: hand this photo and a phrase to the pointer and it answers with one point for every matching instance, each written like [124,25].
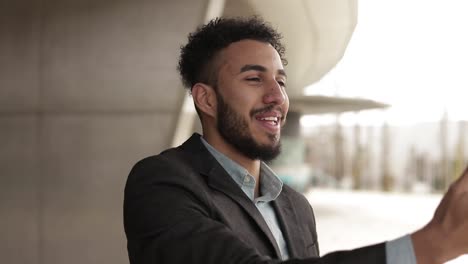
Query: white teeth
[270,118]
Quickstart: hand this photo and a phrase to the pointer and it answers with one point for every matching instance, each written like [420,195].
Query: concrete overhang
[318,104]
[316,33]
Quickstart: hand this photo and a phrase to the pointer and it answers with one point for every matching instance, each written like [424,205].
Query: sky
[411,54]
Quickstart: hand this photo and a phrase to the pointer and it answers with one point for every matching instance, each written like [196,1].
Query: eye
[253,79]
[281,83]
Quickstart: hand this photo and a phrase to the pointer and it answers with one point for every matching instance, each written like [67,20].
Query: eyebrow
[260,68]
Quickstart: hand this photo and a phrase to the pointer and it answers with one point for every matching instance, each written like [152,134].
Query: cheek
[243,104]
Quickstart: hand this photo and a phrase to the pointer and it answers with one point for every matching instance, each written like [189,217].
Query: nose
[275,94]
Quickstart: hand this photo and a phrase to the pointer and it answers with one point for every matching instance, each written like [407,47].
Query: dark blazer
[182,207]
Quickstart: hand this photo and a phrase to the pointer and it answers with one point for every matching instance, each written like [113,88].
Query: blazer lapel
[219,179]
[288,222]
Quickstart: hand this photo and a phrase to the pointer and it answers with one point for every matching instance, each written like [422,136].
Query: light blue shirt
[398,251]
[270,189]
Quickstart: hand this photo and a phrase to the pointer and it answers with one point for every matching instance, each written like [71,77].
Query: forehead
[245,52]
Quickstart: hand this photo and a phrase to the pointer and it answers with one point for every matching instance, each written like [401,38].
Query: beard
[235,130]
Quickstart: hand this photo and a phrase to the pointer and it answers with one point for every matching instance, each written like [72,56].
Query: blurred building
[88,87]
[390,158]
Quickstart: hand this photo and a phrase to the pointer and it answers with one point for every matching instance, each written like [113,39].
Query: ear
[204,98]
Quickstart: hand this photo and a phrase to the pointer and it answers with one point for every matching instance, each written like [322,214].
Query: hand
[445,237]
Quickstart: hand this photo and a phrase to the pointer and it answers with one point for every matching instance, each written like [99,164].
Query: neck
[252,166]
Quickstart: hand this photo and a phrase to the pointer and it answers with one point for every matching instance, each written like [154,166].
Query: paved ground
[347,219]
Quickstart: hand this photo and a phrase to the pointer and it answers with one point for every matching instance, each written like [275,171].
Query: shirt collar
[270,184]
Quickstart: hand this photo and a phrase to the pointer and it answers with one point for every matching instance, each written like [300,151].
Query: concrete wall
[87,88]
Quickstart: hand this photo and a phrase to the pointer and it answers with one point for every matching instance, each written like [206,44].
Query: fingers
[450,221]
[457,189]
[465,174]
[463,180]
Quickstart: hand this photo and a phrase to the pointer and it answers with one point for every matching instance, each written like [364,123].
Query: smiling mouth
[272,120]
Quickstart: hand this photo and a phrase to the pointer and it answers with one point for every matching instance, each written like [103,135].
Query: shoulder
[182,160]
[173,175]
[165,159]
[301,205]
[170,165]
[295,197]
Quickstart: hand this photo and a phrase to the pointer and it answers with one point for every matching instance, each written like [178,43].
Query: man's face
[251,99]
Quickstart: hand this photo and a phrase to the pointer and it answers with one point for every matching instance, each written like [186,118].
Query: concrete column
[87,88]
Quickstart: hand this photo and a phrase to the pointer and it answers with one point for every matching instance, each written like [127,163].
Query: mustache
[266,109]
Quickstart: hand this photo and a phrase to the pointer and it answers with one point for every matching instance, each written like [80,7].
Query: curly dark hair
[197,57]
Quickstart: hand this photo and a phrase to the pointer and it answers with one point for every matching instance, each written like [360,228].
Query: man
[214,200]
